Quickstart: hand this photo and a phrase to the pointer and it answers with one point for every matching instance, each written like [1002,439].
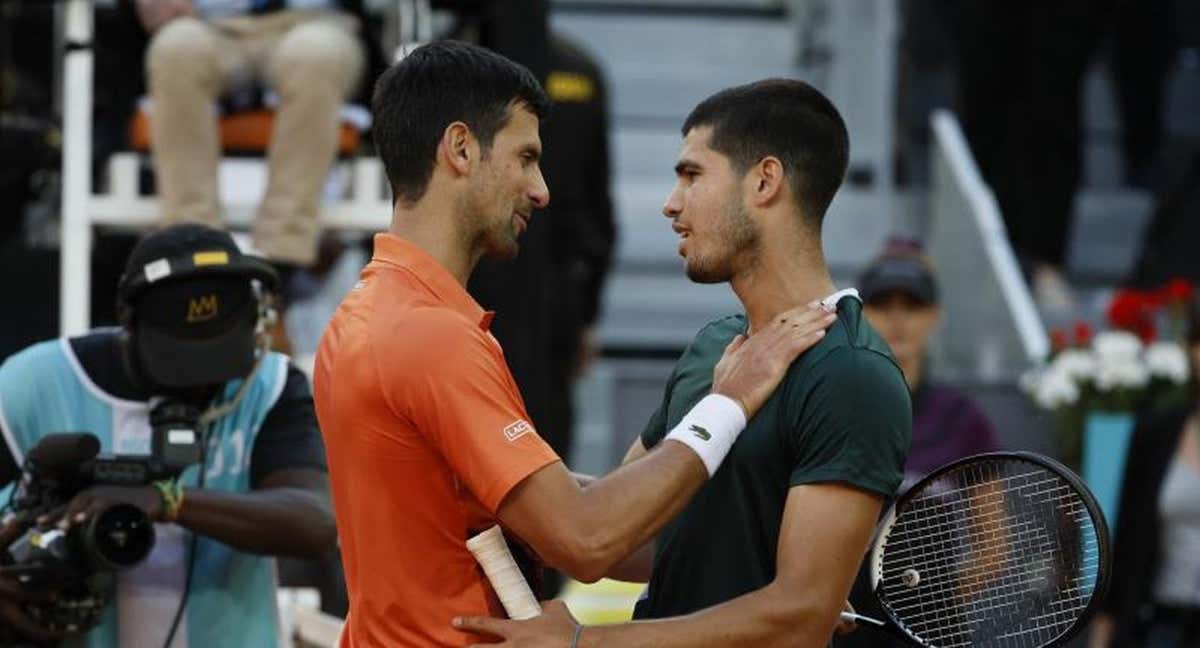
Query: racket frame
[1085,495]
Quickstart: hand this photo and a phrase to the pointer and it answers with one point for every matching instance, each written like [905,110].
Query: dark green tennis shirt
[841,414]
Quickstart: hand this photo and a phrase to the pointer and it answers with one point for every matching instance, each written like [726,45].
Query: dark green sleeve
[854,422]
[656,427]
[691,379]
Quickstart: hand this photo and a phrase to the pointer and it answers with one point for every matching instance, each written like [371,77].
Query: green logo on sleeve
[701,433]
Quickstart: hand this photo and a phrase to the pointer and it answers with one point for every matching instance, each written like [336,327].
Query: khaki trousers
[311,59]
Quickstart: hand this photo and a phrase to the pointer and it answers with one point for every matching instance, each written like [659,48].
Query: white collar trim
[830,303]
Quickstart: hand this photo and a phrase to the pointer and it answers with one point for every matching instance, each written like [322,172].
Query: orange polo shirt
[425,433]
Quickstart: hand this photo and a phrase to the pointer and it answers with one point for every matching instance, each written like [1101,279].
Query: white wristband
[710,429]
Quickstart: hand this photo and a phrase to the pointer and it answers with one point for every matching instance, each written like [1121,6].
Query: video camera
[80,565]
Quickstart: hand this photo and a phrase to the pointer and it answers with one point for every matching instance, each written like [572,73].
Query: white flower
[1055,389]
[1167,360]
[1029,381]
[1117,346]
[1077,364]
[1119,372]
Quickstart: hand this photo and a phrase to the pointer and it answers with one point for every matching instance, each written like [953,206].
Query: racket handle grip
[491,551]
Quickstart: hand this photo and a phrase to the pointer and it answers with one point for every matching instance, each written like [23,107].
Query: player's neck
[784,275]
[434,229]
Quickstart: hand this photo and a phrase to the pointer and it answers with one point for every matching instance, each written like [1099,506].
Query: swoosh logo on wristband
[701,433]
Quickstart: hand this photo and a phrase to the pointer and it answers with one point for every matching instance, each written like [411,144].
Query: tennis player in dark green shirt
[841,416]
[765,553]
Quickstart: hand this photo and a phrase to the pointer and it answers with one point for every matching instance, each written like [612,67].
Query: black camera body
[79,565]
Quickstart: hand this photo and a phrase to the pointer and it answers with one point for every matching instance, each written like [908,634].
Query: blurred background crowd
[1021,212]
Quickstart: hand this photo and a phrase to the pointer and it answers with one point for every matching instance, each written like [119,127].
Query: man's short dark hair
[785,118]
[438,84]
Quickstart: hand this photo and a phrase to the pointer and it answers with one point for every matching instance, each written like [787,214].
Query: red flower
[1130,309]
[1134,311]
[1058,340]
[1178,290]
[1146,332]
[1083,333]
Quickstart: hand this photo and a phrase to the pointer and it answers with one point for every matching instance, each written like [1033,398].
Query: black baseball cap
[189,250]
[906,273]
[189,306]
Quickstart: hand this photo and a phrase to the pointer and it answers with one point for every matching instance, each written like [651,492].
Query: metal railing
[990,329]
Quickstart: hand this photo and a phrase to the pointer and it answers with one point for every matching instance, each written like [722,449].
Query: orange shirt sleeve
[450,380]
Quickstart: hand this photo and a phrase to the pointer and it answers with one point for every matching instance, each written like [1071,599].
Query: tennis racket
[999,550]
[491,551]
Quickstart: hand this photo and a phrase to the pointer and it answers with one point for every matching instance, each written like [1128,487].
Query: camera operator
[193,313]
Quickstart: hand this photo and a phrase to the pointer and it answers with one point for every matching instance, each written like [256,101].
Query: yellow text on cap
[216,257]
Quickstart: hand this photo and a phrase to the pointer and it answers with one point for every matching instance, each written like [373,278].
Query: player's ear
[458,149]
[767,181]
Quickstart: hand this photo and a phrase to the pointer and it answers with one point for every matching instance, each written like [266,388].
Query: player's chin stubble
[503,241]
[704,270]
[737,235]
[503,246]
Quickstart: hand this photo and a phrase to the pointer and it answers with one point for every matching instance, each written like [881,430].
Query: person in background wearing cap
[900,296]
[193,309]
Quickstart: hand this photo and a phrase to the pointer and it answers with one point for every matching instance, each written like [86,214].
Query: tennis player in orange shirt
[427,438]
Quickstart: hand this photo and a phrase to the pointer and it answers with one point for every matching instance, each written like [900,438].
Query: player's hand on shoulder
[752,367]
[554,628]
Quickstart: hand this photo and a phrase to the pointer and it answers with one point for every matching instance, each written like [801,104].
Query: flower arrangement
[1145,313]
[1118,370]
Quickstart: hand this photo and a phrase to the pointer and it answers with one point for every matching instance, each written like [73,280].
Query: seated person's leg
[313,69]
[185,67]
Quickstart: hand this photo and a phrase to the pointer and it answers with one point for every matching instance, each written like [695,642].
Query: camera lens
[119,537]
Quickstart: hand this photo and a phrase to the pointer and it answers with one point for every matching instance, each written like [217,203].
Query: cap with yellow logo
[188,250]
[187,301]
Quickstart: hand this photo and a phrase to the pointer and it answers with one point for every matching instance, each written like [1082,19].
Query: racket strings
[947,504]
[999,539]
[1005,590]
[940,494]
[1001,556]
[978,577]
[914,534]
[1010,598]
[999,522]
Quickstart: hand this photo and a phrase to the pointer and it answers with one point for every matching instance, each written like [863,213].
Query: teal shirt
[841,414]
[44,389]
